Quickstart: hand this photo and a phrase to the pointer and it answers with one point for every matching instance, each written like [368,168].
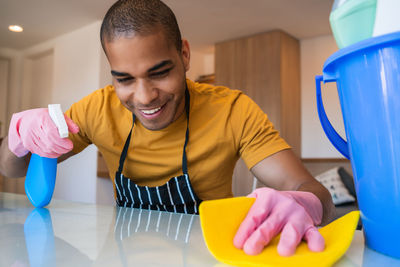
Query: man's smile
[150,111]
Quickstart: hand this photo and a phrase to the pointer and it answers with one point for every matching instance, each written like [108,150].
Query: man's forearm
[323,194]
[10,165]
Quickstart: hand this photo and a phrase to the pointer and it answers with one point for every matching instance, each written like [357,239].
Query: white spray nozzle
[57,116]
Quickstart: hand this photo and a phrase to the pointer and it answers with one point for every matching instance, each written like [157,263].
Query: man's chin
[154,125]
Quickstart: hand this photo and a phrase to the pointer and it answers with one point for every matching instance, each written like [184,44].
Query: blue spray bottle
[41,176]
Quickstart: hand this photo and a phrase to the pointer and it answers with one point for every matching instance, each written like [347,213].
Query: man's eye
[160,74]
[124,80]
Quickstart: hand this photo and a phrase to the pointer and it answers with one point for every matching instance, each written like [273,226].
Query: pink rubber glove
[293,213]
[34,131]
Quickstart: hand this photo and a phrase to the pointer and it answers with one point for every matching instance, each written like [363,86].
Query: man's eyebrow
[160,65]
[156,67]
[117,73]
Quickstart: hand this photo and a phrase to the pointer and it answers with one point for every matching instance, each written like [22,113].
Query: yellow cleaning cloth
[220,220]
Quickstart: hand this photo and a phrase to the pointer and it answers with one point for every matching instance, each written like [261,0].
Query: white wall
[104,187]
[201,63]
[38,80]
[76,73]
[14,83]
[314,52]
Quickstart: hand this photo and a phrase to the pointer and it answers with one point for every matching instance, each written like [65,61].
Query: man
[154,124]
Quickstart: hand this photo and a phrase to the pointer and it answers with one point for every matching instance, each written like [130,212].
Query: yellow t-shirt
[224,125]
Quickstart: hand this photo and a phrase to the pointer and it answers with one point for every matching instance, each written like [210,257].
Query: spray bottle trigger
[57,116]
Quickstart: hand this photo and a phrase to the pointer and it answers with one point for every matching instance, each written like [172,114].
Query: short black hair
[128,17]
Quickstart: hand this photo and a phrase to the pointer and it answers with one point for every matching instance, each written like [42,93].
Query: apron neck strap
[184,158]
[187,109]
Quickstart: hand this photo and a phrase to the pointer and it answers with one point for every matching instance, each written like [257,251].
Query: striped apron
[177,195]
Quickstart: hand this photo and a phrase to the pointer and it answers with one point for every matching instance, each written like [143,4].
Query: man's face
[149,77]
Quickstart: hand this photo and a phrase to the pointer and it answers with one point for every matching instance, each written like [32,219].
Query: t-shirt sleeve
[256,135]
[78,113]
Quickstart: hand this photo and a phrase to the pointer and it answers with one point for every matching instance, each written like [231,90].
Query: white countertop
[76,234]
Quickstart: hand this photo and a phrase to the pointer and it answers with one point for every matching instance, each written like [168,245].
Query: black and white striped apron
[177,195]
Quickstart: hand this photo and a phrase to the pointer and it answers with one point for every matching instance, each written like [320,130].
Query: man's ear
[185,53]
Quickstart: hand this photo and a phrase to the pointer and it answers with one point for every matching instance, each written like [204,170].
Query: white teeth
[151,111]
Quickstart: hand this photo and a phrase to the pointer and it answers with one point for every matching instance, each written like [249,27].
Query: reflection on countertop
[176,226]
[34,244]
[159,238]
[77,234]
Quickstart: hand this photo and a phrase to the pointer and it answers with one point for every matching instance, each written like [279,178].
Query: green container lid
[353,21]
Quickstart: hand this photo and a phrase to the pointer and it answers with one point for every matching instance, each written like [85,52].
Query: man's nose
[145,93]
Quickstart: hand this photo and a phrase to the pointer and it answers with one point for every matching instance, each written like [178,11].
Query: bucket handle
[337,141]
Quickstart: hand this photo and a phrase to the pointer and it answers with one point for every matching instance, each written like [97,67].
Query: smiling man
[153,67]
[170,143]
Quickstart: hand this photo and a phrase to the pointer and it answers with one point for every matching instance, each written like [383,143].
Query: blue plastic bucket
[367,75]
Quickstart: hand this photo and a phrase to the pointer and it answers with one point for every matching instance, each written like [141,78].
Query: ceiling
[203,22]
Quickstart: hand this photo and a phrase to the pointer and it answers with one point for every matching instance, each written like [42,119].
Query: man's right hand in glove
[34,131]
